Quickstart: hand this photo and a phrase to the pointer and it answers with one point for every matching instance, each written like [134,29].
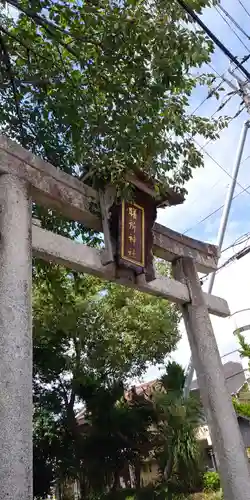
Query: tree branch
[6,60]
[49,27]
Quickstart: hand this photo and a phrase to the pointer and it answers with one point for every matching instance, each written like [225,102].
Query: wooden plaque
[132,234]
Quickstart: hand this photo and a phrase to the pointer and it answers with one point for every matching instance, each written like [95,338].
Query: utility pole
[242,88]
[221,233]
[229,196]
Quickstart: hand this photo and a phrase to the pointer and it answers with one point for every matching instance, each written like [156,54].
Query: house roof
[234,376]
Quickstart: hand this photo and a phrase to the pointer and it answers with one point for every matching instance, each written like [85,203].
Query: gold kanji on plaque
[133,234]
[132,212]
[132,225]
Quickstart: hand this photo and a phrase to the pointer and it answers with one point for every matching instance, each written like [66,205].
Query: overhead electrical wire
[232,29]
[210,140]
[215,211]
[220,166]
[214,38]
[52,28]
[243,6]
[210,94]
[213,159]
[203,148]
[239,255]
[239,241]
[233,21]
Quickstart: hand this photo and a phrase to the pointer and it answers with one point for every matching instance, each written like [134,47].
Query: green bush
[148,493]
[211,481]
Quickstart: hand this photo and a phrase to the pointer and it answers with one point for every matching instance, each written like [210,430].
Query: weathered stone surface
[53,188]
[15,341]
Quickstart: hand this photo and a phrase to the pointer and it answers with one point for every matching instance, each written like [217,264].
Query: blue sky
[207,190]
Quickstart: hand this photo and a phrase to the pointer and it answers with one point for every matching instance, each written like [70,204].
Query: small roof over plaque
[163,198]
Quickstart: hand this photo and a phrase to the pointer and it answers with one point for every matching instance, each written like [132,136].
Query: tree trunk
[116,482]
[138,475]
[82,488]
[169,467]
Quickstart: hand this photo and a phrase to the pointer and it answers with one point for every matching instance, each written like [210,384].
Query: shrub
[211,481]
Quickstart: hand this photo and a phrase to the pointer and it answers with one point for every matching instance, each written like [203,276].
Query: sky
[207,191]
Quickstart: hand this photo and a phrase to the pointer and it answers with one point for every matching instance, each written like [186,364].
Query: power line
[210,94]
[52,28]
[216,40]
[243,6]
[239,241]
[232,29]
[234,22]
[243,189]
[210,140]
[231,259]
[215,211]
[237,373]
[228,353]
[220,76]
[220,166]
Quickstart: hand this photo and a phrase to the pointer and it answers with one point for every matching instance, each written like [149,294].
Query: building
[238,386]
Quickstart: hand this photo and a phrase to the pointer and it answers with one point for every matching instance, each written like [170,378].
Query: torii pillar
[15,340]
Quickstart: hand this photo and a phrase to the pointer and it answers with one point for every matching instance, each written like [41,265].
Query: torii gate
[25,178]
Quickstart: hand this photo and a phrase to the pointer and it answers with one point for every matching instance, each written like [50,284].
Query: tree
[178,419]
[88,336]
[45,439]
[242,401]
[117,434]
[102,88]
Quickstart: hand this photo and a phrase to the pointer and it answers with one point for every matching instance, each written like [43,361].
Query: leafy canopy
[89,338]
[82,322]
[102,87]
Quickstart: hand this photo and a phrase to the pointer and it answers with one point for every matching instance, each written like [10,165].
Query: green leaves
[178,419]
[111,87]
[118,331]
[89,338]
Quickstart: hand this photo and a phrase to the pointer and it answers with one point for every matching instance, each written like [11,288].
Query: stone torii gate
[25,178]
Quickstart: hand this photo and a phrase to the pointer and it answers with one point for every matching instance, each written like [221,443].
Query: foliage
[117,434]
[89,338]
[148,493]
[242,408]
[211,481]
[244,346]
[100,326]
[241,405]
[43,442]
[102,88]
[207,495]
[178,418]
